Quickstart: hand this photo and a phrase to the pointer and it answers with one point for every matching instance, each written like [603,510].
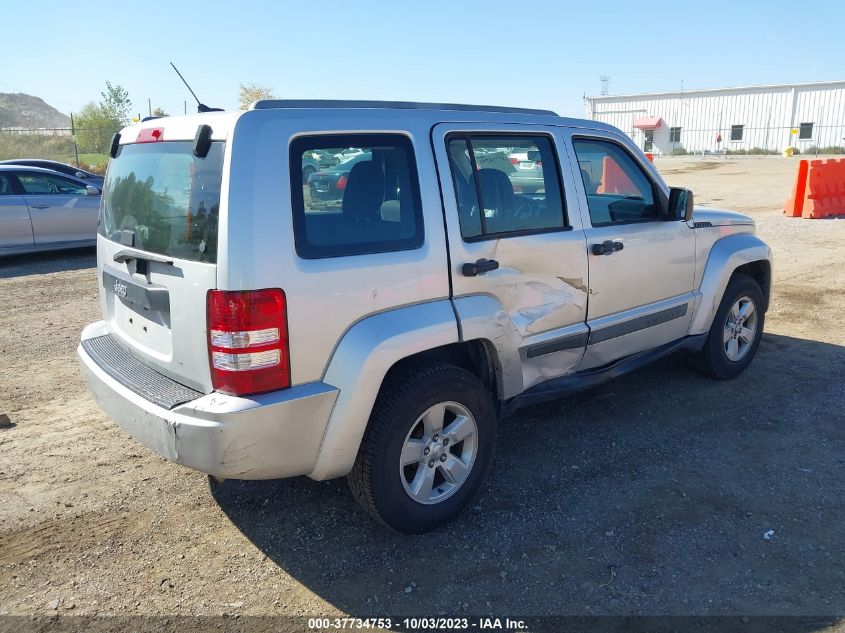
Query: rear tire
[410,476]
[736,331]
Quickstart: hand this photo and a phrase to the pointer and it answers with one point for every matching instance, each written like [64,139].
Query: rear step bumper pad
[131,372]
[267,436]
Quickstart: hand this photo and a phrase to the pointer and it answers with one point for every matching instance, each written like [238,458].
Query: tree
[96,123]
[253,92]
[116,102]
[159,112]
[94,128]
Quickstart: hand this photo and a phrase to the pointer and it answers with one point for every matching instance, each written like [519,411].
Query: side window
[365,200]
[505,184]
[6,188]
[41,184]
[617,189]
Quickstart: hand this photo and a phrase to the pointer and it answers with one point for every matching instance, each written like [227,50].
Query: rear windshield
[160,198]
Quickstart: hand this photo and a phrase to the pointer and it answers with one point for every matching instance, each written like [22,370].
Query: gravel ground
[648,495]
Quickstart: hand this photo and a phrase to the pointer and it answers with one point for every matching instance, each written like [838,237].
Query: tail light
[514,161]
[248,341]
[341,183]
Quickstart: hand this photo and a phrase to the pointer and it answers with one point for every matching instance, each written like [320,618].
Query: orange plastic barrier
[819,190]
[613,179]
[795,203]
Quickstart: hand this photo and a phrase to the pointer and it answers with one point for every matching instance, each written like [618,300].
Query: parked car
[42,210]
[347,153]
[62,168]
[315,160]
[330,184]
[385,338]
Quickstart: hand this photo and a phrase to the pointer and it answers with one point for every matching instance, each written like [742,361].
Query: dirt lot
[649,495]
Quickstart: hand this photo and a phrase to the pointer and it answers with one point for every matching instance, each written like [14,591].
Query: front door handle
[608,247]
[480,267]
[40,206]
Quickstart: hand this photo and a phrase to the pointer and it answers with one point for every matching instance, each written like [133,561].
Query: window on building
[674,135]
[505,185]
[805,131]
[736,132]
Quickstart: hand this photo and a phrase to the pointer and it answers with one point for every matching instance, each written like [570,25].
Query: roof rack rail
[271,104]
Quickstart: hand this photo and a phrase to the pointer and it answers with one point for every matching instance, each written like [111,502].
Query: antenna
[605,85]
[201,107]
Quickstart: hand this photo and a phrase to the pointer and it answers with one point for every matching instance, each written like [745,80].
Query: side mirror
[534,155]
[680,204]
[91,191]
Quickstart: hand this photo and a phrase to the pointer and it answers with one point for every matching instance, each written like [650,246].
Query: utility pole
[149,106]
[75,146]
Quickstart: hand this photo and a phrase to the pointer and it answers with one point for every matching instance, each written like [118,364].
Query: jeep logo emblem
[120,289]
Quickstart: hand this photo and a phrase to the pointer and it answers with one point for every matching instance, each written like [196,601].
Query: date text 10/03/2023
[418,623]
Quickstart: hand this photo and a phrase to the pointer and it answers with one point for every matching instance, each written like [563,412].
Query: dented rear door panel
[541,282]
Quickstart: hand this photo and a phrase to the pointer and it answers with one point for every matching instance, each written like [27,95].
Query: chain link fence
[85,148]
[668,141]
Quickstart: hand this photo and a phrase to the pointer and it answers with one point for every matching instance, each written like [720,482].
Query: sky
[529,53]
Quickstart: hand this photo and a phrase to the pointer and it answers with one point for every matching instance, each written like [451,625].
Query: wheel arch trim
[726,256]
[358,366]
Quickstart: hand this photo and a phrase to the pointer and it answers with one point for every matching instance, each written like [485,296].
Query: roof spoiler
[202,141]
[115,144]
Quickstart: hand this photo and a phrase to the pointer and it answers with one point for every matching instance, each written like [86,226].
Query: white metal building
[805,116]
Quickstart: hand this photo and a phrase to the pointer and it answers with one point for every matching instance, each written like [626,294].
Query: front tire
[428,447]
[736,331]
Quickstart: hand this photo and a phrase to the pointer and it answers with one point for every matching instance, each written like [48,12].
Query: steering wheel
[523,211]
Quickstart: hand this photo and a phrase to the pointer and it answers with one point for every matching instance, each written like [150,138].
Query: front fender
[358,366]
[726,255]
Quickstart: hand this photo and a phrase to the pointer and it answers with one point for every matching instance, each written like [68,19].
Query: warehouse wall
[768,115]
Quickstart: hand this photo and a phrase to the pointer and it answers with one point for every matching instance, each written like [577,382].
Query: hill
[21,110]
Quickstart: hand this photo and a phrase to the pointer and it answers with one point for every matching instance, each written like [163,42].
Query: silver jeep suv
[253,331]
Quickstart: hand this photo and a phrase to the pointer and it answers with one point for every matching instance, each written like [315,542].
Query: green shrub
[754,151]
[830,149]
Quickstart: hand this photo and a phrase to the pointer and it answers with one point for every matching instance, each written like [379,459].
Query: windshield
[162,199]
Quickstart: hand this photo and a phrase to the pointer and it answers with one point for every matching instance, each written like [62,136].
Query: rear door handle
[480,267]
[608,247]
[40,206]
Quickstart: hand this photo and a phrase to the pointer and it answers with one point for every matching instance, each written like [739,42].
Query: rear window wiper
[127,254]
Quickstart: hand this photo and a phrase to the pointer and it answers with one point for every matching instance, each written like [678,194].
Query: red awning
[647,122]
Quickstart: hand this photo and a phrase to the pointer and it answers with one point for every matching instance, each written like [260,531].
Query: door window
[617,189]
[47,184]
[505,185]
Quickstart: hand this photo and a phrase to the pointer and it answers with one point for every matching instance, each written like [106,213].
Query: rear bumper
[260,437]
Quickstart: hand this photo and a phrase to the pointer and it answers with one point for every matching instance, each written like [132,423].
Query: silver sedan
[43,210]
